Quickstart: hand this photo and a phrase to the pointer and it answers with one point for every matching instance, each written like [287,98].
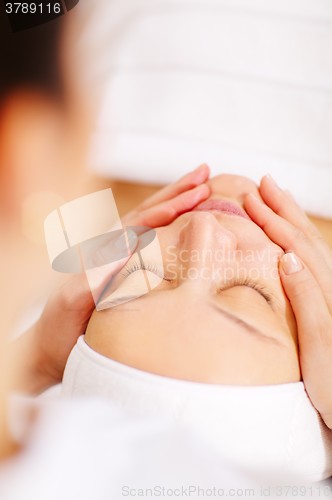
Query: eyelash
[139,266]
[251,284]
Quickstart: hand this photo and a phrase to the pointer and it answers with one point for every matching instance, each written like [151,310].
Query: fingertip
[270,181]
[201,166]
[201,173]
[290,264]
[200,192]
[250,198]
[193,197]
[206,167]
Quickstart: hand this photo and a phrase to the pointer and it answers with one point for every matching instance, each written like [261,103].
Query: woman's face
[219,315]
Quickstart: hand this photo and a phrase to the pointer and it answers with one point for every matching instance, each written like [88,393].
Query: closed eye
[135,265]
[261,289]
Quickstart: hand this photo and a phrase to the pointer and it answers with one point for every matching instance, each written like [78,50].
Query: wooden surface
[129,195]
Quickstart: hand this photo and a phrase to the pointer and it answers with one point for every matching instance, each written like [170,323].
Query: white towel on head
[244,86]
[266,428]
[89,449]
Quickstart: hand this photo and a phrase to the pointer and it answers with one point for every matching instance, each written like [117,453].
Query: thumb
[314,331]
[306,297]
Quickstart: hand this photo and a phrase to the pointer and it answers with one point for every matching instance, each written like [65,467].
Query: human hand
[306,275]
[46,346]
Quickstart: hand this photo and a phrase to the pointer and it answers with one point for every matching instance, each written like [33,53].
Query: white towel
[265,428]
[242,85]
[89,449]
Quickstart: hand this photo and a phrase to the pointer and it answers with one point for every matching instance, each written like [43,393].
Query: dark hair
[30,58]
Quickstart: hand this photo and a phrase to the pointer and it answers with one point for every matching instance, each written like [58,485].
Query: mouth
[223,206]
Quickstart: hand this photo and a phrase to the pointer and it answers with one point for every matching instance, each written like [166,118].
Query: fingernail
[195,196]
[200,174]
[272,181]
[196,176]
[195,171]
[255,199]
[290,263]
[199,167]
[198,192]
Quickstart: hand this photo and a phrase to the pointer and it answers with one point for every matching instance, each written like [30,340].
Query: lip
[223,206]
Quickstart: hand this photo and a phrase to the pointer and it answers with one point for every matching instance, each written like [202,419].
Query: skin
[186,334]
[307,283]
[43,350]
[36,360]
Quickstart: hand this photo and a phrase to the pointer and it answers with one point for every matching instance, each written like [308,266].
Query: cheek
[250,265]
[257,251]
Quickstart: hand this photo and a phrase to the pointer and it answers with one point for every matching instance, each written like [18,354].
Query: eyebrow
[248,327]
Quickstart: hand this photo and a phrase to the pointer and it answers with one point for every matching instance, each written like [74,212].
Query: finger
[291,238]
[283,204]
[279,229]
[314,330]
[306,297]
[188,181]
[165,212]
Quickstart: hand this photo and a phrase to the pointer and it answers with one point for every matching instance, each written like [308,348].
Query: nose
[203,243]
